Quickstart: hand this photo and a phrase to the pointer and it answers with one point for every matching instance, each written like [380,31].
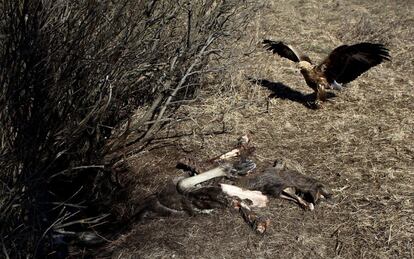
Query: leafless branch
[72,74]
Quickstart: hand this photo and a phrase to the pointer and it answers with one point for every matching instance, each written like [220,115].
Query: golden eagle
[343,64]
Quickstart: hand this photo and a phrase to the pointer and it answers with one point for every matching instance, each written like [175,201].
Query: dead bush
[72,73]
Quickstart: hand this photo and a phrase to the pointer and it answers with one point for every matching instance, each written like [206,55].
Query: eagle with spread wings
[344,64]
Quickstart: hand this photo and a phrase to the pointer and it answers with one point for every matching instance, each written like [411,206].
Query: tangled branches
[71,75]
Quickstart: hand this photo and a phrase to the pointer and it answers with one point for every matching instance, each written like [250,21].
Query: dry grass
[361,144]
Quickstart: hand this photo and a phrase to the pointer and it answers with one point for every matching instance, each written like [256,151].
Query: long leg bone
[242,149]
[236,152]
[233,153]
[291,195]
[186,184]
[256,197]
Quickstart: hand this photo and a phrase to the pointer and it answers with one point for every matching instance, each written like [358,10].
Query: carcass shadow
[282,91]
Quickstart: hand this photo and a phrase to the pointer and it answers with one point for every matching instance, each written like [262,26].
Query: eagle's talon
[318,105]
[311,105]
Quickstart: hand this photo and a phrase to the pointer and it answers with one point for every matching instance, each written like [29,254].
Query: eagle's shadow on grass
[282,91]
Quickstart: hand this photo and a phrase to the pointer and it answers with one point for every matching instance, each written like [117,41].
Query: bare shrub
[71,75]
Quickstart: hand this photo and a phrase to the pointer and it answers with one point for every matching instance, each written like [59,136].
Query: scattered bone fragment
[258,223]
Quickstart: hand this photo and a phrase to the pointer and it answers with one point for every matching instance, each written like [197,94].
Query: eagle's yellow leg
[321,93]
[320,96]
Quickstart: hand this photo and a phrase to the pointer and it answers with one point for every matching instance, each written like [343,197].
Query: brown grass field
[361,144]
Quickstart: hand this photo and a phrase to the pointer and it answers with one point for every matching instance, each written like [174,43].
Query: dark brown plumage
[284,50]
[346,63]
[343,65]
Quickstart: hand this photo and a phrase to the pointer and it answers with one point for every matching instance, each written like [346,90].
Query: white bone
[189,183]
[291,194]
[258,199]
[233,153]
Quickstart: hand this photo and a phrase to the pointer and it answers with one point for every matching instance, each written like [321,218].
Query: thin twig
[209,40]
[78,168]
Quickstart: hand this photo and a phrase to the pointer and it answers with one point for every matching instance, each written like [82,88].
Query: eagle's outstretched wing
[346,63]
[284,50]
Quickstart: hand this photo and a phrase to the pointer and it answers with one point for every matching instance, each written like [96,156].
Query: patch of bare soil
[361,144]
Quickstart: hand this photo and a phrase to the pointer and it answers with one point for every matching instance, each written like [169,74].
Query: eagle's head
[305,66]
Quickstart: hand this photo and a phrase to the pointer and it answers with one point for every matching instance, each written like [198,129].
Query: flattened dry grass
[361,144]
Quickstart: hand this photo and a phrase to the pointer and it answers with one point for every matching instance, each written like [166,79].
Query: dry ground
[361,144]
